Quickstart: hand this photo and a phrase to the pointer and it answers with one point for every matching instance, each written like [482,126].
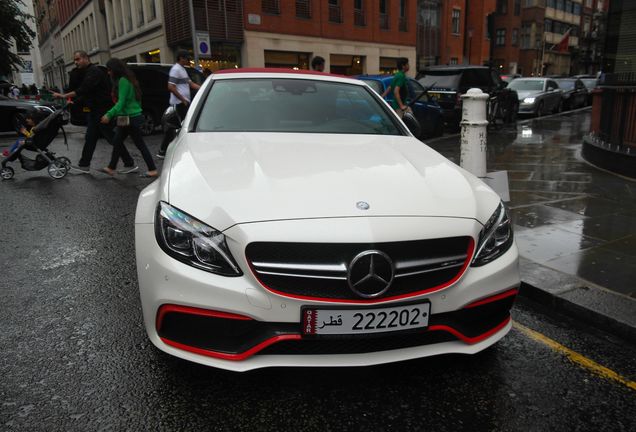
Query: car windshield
[566,84]
[521,84]
[590,83]
[441,79]
[293,105]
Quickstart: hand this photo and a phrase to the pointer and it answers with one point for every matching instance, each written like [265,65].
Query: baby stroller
[45,132]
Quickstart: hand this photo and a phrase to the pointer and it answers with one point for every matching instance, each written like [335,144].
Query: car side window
[416,89]
[552,85]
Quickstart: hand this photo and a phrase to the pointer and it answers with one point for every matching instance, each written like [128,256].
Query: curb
[612,312]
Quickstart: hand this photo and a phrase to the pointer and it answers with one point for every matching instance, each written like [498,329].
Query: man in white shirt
[179,85]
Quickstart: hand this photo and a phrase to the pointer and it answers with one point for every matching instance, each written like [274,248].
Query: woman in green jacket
[128,105]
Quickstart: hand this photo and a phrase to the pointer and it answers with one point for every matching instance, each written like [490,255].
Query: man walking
[398,86]
[95,93]
[179,85]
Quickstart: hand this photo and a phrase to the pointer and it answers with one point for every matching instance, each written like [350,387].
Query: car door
[553,94]
[581,93]
[425,110]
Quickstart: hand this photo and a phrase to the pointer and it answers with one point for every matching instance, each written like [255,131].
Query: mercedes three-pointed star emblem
[370,273]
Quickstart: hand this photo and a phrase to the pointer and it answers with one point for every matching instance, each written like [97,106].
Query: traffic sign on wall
[203,44]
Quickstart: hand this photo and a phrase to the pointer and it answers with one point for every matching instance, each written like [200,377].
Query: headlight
[528,100]
[192,242]
[495,238]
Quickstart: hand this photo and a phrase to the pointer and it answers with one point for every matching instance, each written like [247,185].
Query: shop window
[344,64]
[286,59]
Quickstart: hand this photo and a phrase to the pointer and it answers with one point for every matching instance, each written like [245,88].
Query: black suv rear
[450,82]
[153,80]
[155,97]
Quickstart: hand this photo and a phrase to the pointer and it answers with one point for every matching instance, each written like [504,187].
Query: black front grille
[358,345]
[289,268]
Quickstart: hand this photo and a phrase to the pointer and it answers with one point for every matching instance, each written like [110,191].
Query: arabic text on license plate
[361,321]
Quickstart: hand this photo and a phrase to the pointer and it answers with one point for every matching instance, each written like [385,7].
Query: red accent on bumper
[470,340]
[255,349]
[469,258]
[167,308]
[236,357]
[500,296]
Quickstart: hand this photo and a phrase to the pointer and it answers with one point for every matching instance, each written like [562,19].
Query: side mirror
[170,119]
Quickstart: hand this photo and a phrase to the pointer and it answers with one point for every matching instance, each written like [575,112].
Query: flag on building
[564,43]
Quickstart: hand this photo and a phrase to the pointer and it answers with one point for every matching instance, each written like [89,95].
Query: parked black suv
[153,80]
[450,82]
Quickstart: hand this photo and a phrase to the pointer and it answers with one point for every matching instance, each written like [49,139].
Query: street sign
[203,44]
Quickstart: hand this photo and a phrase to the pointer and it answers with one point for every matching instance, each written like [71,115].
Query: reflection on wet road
[569,216]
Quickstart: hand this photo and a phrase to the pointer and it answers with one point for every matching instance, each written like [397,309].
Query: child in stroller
[38,134]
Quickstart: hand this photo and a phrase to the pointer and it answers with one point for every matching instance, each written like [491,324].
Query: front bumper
[237,324]
[527,108]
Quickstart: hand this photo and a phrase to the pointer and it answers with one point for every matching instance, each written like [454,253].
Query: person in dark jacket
[94,92]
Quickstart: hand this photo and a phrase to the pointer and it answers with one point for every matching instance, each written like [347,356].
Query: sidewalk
[575,225]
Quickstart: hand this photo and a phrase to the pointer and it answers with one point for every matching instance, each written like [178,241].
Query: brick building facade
[353,36]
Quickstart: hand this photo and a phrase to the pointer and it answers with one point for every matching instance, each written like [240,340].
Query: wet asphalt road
[75,355]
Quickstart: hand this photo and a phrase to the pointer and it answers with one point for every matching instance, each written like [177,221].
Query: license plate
[364,321]
[435,96]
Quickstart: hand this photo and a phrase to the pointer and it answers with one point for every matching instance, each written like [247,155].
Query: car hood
[528,93]
[225,179]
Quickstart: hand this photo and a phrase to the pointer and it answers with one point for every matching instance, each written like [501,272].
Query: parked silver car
[538,96]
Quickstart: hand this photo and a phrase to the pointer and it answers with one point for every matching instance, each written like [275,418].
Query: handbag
[123,121]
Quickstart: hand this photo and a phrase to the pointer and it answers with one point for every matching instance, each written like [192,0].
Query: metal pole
[195,50]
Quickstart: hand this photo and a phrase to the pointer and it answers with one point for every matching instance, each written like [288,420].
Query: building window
[454,61]
[455,21]
[303,9]
[500,38]
[514,40]
[152,10]
[502,7]
[270,6]
[335,12]
[384,14]
[358,13]
[547,26]
[140,12]
[517,7]
[551,4]
[576,9]
[403,20]
[526,31]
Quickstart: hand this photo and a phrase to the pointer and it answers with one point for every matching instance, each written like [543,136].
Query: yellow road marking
[575,357]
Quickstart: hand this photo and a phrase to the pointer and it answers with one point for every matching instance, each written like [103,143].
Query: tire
[57,169]
[7,173]
[558,108]
[149,124]
[66,161]
[539,112]
[513,113]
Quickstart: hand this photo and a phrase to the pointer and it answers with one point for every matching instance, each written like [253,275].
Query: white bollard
[474,124]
